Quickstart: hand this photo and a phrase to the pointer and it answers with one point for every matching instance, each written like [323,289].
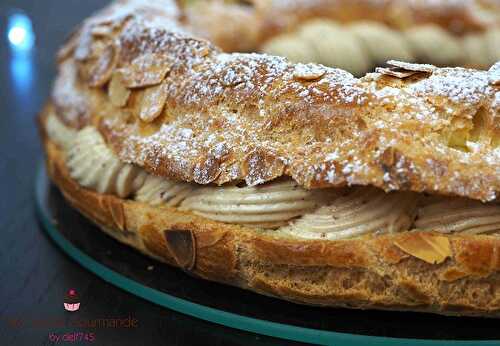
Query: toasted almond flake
[83,47]
[308,72]
[495,67]
[204,51]
[99,71]
[118,93]
[388,157]
[69,46]
[207,170]
[428,247]
[261,165]
[412,67]
[118,215]
[182,246]
[152,103]
[494,74]
[395,72]
[101,30]
[147,70]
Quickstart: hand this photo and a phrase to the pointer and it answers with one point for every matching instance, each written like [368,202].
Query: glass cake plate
[172,288]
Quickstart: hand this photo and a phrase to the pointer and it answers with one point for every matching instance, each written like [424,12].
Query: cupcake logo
[71,300]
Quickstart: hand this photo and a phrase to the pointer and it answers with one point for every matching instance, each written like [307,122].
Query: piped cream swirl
[268,206]
[458,215]
[61,134]
[360,211]
[160,191]
[95,166]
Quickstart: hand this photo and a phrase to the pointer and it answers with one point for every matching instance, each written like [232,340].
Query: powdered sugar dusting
[457,84]
[70,101]
[254,117]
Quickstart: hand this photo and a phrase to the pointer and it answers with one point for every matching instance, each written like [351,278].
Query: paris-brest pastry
[290,178]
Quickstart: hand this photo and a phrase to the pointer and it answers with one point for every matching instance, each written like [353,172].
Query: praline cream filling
[160,191]
[61,134]
[95,166]
[283,204]
[269,205]
[359,211]
[458,215]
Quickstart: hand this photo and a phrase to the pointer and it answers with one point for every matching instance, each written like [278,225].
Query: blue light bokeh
[21,38]
[20,33]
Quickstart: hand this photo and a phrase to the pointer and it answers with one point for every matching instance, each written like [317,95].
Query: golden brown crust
[196,114]
[257,21]
[368,272]
[456,17]
[240,31]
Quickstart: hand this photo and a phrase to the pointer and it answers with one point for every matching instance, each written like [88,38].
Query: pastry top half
[182,109]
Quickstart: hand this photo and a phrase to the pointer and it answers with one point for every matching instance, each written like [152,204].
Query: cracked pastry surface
[200,115]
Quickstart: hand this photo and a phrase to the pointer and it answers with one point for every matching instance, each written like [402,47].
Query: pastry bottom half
[369,272]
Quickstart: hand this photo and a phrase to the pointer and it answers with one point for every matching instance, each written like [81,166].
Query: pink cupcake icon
[71,300]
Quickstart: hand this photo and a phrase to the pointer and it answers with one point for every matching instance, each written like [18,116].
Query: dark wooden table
[35,274]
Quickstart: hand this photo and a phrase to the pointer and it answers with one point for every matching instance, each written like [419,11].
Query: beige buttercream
[269,206]
[95,166]
[458,215]
[61,134]
[160,191]
[360,211]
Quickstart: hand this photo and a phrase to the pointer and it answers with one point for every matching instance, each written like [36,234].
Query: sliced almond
[429,247]
[494,73]
[395,72]
[69,46]
[98,70]
[182,245]
[207,170]
[495,67]
[308,72]
[114,211]
[230,78]
[101,30]
[204,51]
[115,208]
[428,68]
[117,92]
[388,157]
[153,101]
[261,165]
[146,70]
[83,47]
